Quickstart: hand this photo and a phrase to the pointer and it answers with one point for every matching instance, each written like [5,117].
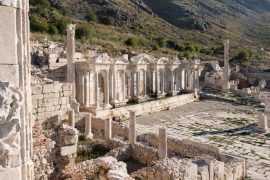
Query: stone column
[108,128]
[15,87]
[163,81]
[132,127]
[107,94]
[172,88]
[88,128]
[71,117]
[70,57]
[138,84]
[132,80]
[157,82]
[81,88]
[86,90]
[196,83]
[114,86]
[96,90]
[124,85]
[226,71]
[162,149]
[211,164]
[144,83]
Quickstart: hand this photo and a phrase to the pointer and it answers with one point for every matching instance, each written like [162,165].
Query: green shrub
[38,24]
[161,42]
[244,56]
[83,32]
[52,30]
[207,51]
[135,42]
[175,45]
[61,24]
[188,55]
[91,16]
[107,20]
[191,47]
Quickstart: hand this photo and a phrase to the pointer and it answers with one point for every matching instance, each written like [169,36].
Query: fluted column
[132,81]
[114,86]
[124,85]
[86,90]
[107,100]
[96,90]
[81,88]
[138,84]
[163,81]
[144,83]
[157,82]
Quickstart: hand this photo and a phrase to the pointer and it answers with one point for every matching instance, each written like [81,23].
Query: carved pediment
[102,59]
[141,59]
[162,60]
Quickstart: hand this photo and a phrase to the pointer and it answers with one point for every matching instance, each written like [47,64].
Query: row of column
[162,147]
[103,88]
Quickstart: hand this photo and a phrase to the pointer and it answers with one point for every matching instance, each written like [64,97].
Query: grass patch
[92,150]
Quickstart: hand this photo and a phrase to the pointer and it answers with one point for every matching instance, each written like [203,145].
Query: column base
[117,104]
[160,96]
[173,93]
[88,136]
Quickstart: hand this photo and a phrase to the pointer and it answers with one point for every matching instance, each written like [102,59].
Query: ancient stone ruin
[67,121]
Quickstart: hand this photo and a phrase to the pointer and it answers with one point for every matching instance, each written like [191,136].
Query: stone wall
[185,147]
[148,107]
[50,103]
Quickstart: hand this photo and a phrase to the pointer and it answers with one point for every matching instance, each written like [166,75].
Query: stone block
[9,73]
[67,87]
[37,97]
[37,89]
[68,150]
[62,61]
[47,88]
[8,43]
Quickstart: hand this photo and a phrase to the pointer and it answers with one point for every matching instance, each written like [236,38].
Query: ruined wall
[148,107]
[50,103]
[15,92]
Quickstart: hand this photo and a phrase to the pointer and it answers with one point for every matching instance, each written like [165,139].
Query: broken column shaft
[71,118]
[108,128]
[162,143]
[132,127]
[88,127]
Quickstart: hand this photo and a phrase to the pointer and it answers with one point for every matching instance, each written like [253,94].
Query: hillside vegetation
[126,25]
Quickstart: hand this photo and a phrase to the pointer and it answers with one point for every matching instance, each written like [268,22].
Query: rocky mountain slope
[184,27]
[250,18]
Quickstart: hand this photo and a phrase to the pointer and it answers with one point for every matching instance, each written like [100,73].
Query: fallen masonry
[61,117]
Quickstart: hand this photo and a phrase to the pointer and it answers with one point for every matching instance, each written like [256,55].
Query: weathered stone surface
[12,3]
[8,43]
[68,150]
[9,73]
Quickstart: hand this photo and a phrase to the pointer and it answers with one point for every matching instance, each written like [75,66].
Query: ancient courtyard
[68,112]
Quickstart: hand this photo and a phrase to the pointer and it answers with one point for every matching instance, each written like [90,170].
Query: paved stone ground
[229,127]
